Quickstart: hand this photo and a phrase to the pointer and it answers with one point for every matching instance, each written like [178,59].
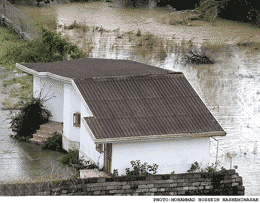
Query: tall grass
[9,39]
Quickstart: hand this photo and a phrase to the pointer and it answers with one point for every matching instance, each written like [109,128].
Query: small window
[100,148]
[76,119]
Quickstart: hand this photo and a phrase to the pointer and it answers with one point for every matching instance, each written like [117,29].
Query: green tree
[51,47]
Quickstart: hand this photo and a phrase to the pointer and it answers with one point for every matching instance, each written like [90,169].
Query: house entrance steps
[46,132]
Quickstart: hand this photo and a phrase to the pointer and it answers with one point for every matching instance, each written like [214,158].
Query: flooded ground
[230,88]
[24,162]
[110,17]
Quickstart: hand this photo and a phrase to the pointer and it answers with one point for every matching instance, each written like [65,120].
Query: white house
[117,111]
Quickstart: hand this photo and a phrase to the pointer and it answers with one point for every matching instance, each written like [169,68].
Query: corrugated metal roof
[94,67]
[145,105]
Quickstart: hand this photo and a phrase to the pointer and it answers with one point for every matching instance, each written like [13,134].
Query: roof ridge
[170,73]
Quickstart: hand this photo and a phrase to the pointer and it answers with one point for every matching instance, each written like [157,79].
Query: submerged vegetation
[198,56]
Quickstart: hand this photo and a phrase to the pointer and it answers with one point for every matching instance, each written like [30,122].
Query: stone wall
[219,183]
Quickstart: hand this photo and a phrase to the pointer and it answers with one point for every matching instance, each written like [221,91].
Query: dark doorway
[108,158]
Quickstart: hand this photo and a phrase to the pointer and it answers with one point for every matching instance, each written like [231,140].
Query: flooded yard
[230,88]
[24,162]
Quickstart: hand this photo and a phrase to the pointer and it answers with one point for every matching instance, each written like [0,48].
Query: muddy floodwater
[24,162]
[230,88]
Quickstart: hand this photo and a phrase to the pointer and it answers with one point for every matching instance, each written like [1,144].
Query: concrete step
[52,126]
[36,141]
[41,137]
[46,132]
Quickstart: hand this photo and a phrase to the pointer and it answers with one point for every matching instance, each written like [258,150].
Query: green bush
[72,159]
[50,48]
[54,144]
[32,114]
[196,167]
[141,170]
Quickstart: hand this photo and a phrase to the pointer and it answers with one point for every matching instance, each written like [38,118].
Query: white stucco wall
[48,88]
[87,146]
[72,104]
[67,101]
[170,155]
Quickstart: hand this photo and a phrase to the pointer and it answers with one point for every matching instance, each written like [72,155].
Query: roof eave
[158,137]
[43,74]
[55,77]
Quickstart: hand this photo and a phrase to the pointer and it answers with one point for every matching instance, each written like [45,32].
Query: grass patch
[9,39]
[24,90]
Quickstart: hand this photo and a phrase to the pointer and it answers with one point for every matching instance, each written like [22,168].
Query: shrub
[54,144]
[115,173]
[196,167]
[72,159]
[50,48]
[141,170]
[32,114]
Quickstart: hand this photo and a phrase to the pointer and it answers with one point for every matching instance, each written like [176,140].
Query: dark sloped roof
[145,105]
[93,67]
[131,99]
